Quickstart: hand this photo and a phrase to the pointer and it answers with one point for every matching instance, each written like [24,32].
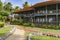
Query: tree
[8,7]
[17,8]
[25,5]
[1,5]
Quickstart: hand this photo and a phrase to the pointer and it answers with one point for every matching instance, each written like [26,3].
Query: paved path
[17,35]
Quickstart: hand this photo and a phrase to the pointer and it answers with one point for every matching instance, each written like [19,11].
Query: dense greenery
[17,22]
[26,24]
[50,26]
[1,24]
[44,38]
[3,31]
[6,9]
[26,5]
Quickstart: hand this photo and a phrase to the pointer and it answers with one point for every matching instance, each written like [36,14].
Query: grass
[47,30]
[3,31]
[44,38]
[43,29]
[27,33]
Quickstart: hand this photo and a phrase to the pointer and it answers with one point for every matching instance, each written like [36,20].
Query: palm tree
[17,8]
[26,4]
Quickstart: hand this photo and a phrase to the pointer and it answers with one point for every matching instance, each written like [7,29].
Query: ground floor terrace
[41,20]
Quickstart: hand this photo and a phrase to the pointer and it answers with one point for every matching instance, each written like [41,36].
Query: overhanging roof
[45,3]
[25,9]
[37,4]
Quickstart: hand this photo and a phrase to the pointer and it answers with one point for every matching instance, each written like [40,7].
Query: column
[57,13]
[46,15]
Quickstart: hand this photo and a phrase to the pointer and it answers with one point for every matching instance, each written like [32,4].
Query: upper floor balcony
[52,12]
[27,15]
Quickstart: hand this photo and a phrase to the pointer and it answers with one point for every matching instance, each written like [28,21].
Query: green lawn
[3,31]
[44,38]
[47,30]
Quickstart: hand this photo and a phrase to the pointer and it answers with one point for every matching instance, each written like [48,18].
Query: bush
[44,26]
[32,25]
[44,38]
[27,24]
[1,24]
[15,22]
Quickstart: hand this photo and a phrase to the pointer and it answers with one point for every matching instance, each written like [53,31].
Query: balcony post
[46,16]
[57,14]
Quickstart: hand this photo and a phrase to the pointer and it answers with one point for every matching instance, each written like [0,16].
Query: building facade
[47,12]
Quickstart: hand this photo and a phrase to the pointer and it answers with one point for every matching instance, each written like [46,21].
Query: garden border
[9,33]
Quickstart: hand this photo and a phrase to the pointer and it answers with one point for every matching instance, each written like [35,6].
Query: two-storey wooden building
[47,12]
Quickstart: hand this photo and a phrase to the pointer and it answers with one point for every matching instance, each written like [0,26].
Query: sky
[20,2]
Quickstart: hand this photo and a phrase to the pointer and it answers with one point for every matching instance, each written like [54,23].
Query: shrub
[1,24]
[26,24]
[43,38]
[32,25]
[44,26]
[15,22]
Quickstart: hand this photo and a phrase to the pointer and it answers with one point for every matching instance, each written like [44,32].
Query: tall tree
[26,4]
[8,6]
[1,5]
[17,8]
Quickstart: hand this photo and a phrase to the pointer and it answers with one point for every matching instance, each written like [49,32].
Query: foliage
[26,24]
[5,30]
[8,7]
[1,24]
[17,8]
[4,13]
[1,5]
[44,38]
[32,25]
[17,22]
[25,5]
[21,21]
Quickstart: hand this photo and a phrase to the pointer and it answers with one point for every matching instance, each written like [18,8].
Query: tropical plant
[17,8]
[26,4]
[8,6]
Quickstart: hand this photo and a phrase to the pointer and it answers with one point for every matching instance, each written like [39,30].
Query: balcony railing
[27,15]
[54,12]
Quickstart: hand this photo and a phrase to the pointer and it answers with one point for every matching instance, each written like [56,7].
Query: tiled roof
[25,9]
[38,4]
[45,3]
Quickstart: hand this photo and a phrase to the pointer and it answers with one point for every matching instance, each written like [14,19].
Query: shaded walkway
[17,35]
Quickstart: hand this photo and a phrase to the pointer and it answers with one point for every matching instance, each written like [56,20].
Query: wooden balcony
[27,15]
[48,13]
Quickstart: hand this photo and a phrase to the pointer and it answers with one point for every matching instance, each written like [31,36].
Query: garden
[44,38]
[3,30]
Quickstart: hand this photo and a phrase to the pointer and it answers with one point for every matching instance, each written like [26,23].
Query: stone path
[17,35]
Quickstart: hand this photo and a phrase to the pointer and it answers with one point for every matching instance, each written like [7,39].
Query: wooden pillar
[46,15]
[34,16]
[57,14]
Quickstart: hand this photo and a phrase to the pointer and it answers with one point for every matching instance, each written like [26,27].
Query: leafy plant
[26,24]
[1,24]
